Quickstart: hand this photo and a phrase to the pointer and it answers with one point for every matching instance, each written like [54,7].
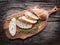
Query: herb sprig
[25,31]
[37,26]
[8,19]
[16,17]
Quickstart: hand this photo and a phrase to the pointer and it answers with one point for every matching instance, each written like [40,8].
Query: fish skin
[12,27]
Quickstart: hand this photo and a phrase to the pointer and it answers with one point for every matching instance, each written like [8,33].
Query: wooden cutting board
[42,25]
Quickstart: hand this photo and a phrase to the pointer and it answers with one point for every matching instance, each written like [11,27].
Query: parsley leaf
[25,31]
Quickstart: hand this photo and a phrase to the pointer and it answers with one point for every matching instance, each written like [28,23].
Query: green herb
[25,31]
[37,26]
[8,19]
[17,16]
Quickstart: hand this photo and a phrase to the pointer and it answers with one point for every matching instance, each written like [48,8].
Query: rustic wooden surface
[49,36]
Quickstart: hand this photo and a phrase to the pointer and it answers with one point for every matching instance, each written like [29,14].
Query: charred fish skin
[12,27]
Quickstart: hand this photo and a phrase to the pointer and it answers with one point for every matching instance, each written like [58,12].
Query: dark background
[49,36]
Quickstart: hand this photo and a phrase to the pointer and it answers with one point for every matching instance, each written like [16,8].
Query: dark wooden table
[49,36]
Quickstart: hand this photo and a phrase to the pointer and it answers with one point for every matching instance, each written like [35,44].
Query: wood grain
[42,25]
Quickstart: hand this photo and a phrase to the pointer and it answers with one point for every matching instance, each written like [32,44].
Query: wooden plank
[54,19]
[14,7]
[50,34]
[35,0]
